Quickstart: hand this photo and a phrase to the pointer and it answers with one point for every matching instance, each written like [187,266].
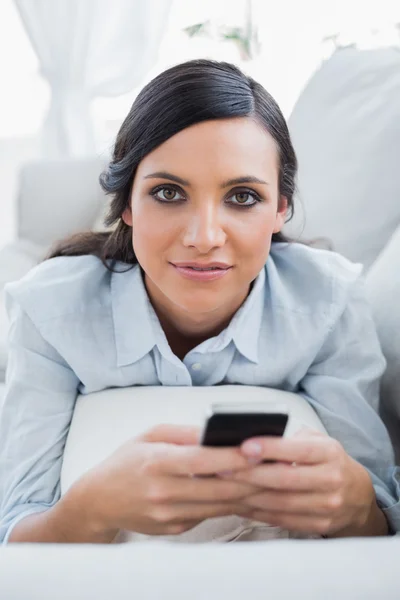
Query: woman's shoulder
[59,286]
[307,279]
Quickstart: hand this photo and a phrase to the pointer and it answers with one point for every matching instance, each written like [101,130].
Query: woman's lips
[202,272]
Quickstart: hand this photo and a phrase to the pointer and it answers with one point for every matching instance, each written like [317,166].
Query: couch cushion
[57,198]
[343,569]
[346,131]
[383,286]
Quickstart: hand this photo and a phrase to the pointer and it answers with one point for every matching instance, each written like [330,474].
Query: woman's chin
[199,304]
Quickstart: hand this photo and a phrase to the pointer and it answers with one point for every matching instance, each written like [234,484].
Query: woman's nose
[204,230]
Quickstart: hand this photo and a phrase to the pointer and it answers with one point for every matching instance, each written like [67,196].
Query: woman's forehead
[225,147]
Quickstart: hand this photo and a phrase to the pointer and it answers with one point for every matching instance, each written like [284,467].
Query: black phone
[232,424]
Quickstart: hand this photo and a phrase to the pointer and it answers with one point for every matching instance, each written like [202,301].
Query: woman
[196,285]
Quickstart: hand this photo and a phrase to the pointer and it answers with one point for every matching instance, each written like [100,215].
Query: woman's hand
[149,484]
[314,487]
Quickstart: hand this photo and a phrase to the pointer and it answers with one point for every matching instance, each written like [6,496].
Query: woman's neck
[185,330]
[181,339]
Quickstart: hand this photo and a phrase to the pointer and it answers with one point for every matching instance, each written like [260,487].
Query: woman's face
[204,206]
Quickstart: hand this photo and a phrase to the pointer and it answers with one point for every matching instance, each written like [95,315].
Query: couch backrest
[58,198]
[383,285]
[346,131]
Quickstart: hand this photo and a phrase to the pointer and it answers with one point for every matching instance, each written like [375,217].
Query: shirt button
[196,366]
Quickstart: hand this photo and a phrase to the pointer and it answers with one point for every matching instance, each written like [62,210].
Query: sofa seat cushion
[341,569]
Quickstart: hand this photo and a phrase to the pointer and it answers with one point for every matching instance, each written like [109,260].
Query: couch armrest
[58,198]
[279,570]
[17,258]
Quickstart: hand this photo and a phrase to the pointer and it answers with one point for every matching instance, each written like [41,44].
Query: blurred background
[70,69]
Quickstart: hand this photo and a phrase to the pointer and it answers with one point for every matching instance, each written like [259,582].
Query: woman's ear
[127,216]
[281,214]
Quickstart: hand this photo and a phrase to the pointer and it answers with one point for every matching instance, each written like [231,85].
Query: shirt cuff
[19,518]
[390,509]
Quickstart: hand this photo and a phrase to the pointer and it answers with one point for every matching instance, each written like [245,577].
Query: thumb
[182,435]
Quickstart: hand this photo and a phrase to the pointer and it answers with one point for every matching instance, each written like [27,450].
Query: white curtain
[89,48]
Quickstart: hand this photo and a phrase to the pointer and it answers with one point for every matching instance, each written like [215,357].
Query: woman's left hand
[314,487]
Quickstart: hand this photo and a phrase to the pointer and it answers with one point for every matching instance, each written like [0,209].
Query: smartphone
[230,425]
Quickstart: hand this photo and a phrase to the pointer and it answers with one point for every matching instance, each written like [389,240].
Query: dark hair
[186,94]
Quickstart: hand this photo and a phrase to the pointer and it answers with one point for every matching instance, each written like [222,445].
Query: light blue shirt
[77,328]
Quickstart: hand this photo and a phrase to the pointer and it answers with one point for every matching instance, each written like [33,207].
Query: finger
[177,513]
[299,503]
[185,489]
[199,460]
[184,435]
[280,476]
[306,450]
[295,523]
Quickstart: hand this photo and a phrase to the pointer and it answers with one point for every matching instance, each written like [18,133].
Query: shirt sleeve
[342,385]
[35,415]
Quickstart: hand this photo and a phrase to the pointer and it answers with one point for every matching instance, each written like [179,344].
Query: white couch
[330,175]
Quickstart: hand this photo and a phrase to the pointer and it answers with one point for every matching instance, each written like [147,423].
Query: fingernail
[252,448]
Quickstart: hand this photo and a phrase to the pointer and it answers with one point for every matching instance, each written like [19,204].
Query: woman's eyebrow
[244,179]
[166,175]
[176,179]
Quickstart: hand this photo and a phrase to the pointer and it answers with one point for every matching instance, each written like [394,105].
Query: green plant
[244,37]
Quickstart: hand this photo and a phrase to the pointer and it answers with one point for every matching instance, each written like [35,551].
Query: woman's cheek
[152,242]
[254,234]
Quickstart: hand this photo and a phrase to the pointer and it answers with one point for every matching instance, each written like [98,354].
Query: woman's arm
[70,520]
[342,385]
[374,523]
[146,485]
[346,484]
[35,415]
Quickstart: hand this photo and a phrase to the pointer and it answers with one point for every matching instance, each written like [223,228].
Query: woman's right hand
[160,484]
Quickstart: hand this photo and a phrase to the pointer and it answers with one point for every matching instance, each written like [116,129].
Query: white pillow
[345,130]
[103,421]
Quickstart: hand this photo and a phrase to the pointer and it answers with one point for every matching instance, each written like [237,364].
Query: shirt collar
[246,323]
[135,334]
[244,328]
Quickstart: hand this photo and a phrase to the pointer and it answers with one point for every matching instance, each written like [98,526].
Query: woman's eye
[166,194]
[244,199]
